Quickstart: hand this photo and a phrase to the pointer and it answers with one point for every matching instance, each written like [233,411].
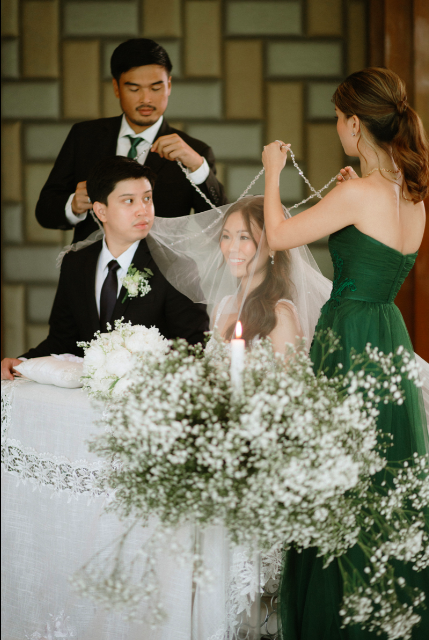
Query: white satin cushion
[61,371]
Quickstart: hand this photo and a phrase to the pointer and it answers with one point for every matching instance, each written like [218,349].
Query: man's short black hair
[138,52]
[106,174]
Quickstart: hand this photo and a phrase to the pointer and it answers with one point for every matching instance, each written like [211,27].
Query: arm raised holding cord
[335,211]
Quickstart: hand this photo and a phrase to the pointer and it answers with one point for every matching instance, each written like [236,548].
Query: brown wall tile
[203,39]
[243,79]
[81,90]
[11,162]
[10,17]
[13,306]
[324,18]
[162,18]
[285,114]
[35,177]
[36,333]
[325,154]
[40,39]
[356,40]
[111,106]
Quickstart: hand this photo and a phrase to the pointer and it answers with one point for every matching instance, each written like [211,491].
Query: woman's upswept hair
[258,315]
[378,98]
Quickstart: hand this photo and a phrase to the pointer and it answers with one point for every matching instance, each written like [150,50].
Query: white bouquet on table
[110,357]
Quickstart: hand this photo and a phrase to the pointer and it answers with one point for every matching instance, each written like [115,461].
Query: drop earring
[272,259]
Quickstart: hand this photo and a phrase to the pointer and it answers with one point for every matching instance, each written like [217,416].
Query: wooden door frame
[398,37]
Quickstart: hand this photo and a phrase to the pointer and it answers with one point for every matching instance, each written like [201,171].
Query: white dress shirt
[124,260]
[123,146]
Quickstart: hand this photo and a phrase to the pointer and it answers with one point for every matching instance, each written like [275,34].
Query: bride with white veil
[222,258]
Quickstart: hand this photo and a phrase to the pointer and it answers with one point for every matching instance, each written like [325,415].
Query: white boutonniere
[136,282]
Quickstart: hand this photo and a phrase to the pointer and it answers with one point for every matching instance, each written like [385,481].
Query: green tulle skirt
[310,596]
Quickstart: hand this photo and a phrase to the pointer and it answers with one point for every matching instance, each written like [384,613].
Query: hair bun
[402,106]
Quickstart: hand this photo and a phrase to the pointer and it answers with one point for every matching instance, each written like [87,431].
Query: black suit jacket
[74,315]
[89,142]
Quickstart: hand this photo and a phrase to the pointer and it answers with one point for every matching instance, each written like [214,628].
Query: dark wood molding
[376,33]
[398,39]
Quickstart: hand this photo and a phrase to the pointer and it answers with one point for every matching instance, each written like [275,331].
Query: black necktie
[109,293]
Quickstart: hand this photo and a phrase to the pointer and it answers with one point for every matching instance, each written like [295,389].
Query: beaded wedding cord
[295,164]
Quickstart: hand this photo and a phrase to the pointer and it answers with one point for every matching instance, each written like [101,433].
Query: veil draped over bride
[221,258]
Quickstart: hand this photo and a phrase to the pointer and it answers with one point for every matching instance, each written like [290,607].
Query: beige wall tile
[39,303]
[31,100]
[263,18]
[176,124]
[111,106]
[285,114]
[40,39]
[81,61]
[324,18]
[243,79]
[10,17]
[199,100]
[36,333]
[14,320]
[35,177]
[356,41]
[11,162]
[101,18]
[304,58]
[31,264]
[162,18]
[203,39]
[11,223]
[10,58]
[325,154]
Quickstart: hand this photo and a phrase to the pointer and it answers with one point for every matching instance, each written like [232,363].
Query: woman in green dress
[375,226]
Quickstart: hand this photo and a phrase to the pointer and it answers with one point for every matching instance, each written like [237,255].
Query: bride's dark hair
[258,315]
[378,98]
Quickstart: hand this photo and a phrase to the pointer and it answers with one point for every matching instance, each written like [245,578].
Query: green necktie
[132,153]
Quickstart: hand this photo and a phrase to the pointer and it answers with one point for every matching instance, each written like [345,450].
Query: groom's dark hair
[106,174]
[138,52]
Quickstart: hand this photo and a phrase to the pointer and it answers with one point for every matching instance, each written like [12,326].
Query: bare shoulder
[350,193]
[286,311]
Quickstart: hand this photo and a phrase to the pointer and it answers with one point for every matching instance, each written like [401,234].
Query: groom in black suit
[90,294]
[141,80]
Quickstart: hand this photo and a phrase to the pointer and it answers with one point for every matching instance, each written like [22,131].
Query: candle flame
[238,330]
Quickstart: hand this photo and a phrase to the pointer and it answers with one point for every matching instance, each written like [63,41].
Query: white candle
[237,359]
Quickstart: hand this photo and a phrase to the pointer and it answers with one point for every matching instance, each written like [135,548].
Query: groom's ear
[100,211]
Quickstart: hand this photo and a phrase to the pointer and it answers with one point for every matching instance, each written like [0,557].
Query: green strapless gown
[367,277]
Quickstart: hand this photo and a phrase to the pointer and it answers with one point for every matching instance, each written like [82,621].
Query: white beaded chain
[295,164]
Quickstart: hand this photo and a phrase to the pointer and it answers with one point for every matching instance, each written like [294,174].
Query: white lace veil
[188,252]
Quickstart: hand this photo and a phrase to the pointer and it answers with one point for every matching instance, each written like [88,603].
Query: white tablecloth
[52,522]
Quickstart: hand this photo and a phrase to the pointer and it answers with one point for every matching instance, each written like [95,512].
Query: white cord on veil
[99,234]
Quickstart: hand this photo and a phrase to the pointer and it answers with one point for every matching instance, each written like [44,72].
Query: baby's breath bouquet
[290,461]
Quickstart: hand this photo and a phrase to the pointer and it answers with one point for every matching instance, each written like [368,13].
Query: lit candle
[237,359]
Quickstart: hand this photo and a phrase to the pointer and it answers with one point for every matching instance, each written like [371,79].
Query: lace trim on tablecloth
[57,627]
[243,587]
[43,469]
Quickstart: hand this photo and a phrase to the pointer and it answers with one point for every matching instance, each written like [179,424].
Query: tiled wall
[245,72]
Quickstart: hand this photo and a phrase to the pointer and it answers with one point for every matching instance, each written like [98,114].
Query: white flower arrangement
[291,461]
[110,357]
[136,282]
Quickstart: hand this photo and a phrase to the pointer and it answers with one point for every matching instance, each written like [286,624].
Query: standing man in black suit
[90,294]
[141,80]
